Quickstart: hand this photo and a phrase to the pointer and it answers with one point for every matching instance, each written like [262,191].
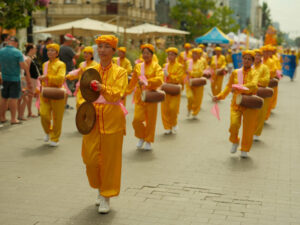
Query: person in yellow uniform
[102,147]
[52,111]
[263,81]
[76,74]
[278,66]
[174,73]
[245,77]
[218,63]
[229,61]
[204,53]
[141,59]
[185,55]
[195,68]
[147,75]
[124,63]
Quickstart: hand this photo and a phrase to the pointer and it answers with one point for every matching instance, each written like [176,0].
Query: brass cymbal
[85,85]
[85,118]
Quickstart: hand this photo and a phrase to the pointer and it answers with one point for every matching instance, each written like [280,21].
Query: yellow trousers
[170,110]
[194,96]
[216,84]
[79,99]
[144,121]
[262,116]
[273,102]
[52,112]
[102,155]
[249,126]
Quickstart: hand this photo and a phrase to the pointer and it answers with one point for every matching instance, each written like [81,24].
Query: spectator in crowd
[11,62]
[4,40]
[45,56]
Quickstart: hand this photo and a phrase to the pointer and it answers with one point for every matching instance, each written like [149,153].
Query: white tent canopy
[83,27]
[150,30]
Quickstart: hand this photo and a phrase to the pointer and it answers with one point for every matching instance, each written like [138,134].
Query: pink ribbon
[279,74]
[166,71]
[216,111]
[67,89]
[142,77]
[137,61]
[118,61]
[101,100]
[240,76]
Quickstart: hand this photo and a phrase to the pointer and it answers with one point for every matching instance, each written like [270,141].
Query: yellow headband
[109,39]
[149,46]
[249,52]
[187,45]
[88,49]
[53,45]
[122,49]
[172,49]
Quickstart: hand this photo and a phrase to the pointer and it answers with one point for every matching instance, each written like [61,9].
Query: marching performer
[247,79]
[102,147]
[147,75]
[52,111]
[174,73]
[277,62]
[76,74]
[204,53]
[186,54]
[217,65]
[195,68]
[263,81]
[123,62]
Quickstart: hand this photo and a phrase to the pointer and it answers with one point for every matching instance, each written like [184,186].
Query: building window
[70,1]
[112,8]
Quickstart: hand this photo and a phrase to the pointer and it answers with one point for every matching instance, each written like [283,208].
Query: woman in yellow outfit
[102,147]
[174,73]
[278,66]
[218,62]
[204,53]
[124,63]
[195,68]
[146,76]
[185,55]
[76,74]
[263,81]
[52,111]
[248,78]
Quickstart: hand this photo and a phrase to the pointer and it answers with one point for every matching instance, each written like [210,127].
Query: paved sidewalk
[188,179]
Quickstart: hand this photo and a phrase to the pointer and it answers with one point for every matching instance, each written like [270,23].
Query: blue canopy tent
[215,36]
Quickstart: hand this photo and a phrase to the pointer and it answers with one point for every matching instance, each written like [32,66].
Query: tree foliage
[266,17]
[297,42]
[199,16]
[14,13]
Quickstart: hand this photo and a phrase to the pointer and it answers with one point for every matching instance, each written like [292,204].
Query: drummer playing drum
[52,110]
[241,81]
[102,147]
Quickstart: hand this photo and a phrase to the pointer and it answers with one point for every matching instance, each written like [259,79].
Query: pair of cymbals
[85,85]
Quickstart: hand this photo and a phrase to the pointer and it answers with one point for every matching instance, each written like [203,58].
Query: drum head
[85,85]
[239,99]
[85,118]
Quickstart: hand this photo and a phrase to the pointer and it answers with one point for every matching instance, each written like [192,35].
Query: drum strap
[101,100]
[216,61]
[142,77]
[118,61]
[240,76]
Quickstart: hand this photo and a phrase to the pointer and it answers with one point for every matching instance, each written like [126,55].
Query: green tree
[266,17]
[297,42]
[193,16]
[223,18]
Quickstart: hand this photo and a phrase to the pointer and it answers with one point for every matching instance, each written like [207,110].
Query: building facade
[125,12]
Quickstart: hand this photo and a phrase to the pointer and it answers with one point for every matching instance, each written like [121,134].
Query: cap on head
[187,45]
[172,49]
[218,49]
[54,46]
[69,37]
[149,46]
[13,38]
[109,39]
[122,49]
[88,49]
[249,52]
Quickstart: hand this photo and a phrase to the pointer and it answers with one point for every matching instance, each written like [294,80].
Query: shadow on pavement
[73,134]
[139,155]
[236,163]
[90,216]
[44,149]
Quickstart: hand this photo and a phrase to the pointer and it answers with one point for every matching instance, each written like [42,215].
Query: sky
[287,13]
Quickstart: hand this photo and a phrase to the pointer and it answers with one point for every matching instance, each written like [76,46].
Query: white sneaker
[53,143]
[97,202]
[255,138]
[103,205]
[46,138]
[148,146]
[244,154]
[195,117]
[234,148]
[188,114]
[139,145]
[175,129]
[168,131]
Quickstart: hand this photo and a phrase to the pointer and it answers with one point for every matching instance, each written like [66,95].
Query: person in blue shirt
[11,63]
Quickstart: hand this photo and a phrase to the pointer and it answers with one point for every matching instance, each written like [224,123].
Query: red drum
[249,101]
[53,93]
[171,89]
[197,82]
[221,72]
[273,83]
[153,96]
[264,92]
[207,75]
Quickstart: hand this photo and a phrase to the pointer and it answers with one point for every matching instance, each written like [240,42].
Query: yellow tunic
[195,94]
[170,107]
[52,111]
[228,58]
[217,80]
[183,57]
[263,81]
[102,147]
[145,114]
[82,66]
[154,58]
[249,115]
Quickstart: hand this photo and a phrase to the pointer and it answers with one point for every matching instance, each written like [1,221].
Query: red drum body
[249,101]
[171,89]
[264,92]
[153,96]
[273,82]
[53,93]
[197,82]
